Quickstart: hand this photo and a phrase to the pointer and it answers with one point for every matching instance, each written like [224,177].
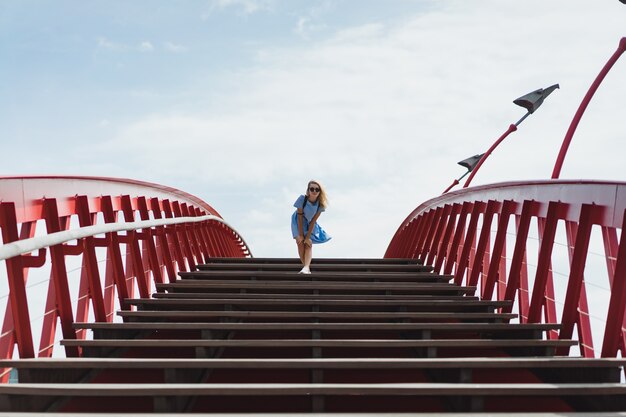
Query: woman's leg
[308,255]
[301,252]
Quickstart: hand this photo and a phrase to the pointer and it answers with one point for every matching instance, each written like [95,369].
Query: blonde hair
[322,198]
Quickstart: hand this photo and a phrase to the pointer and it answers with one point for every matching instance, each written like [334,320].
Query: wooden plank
[452,304]
[331,261]
[335,343]
[326,363]
[280,296]
[323,285]
[317,275]
[319,414]
[391,389]
[487,327]
[321,314]
[318,267]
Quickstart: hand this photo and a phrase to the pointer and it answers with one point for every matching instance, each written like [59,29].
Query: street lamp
[468,163]
[583,106]
[530,102]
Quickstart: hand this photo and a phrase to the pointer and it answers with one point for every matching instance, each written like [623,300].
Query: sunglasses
[314,189]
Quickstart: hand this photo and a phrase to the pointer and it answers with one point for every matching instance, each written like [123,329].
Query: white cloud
[306,27]
[382,114]
[172,47]
[104,43]
[246,7]
[145,46]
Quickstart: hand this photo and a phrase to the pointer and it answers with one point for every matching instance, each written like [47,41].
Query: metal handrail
[25,246]
[174,232]
[444,232]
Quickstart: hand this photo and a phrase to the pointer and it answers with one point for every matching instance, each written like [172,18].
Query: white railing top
[21,247]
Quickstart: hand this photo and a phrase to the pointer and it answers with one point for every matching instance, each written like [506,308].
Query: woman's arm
[307,239]
[299,238]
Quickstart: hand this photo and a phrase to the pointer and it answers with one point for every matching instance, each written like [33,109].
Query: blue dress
[318,235]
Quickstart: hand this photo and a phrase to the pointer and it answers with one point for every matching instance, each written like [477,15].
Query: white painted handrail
[21,247]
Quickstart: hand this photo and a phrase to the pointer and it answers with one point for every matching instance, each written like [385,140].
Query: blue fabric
[318,235]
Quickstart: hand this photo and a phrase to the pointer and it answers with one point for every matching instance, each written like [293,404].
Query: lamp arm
[512,128]
[522,119]
[583,106]
[455,182]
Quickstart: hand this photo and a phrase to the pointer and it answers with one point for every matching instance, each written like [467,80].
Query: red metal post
[513,282]
[59,284]
[17,286]
[172,232]
[163,245]
[454,183]
[115,266]
[435,246]
[153,260]
[408,249]
[483,241]
[452,255]
[90,262]
[544,260]
[423,237]
[182,230]
[508,207]
[132,242]
[613,332]
[556,172]
[512,128]
[476,209]
[443,249]
[575,285]
[191,234]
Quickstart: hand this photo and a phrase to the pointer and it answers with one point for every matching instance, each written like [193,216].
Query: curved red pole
[583,106]
[510,130]
[455,182]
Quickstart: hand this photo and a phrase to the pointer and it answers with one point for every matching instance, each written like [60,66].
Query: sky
[241,102]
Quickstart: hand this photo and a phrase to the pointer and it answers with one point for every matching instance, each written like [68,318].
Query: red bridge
[502,298]
[173,314]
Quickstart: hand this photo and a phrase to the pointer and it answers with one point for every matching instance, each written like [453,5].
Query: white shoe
[305,270]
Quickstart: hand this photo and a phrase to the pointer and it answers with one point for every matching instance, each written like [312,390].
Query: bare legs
[308,255]
[305,252]
[301,251]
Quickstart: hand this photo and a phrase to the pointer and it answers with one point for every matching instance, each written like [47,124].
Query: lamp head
[471,162]
[533,100]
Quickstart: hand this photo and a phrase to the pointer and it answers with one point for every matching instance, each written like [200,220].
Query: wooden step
[317,276]
[374,330]
[295,303]
[327,326]
[313,297]
[341,343]
[577,363]
[325,261]
[366,370]
[203,348]
[413,288]
[463,397]
[317,267]
[200,315]
[422,287]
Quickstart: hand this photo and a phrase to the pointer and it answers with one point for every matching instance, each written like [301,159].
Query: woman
[304,227]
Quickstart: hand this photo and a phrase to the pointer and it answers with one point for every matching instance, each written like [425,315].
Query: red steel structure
[136,259]
[453,232]
[558,165]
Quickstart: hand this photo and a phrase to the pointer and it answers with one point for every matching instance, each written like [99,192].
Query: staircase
[357,335]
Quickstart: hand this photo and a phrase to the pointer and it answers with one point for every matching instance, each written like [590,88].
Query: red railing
[166,230]
[465,233]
